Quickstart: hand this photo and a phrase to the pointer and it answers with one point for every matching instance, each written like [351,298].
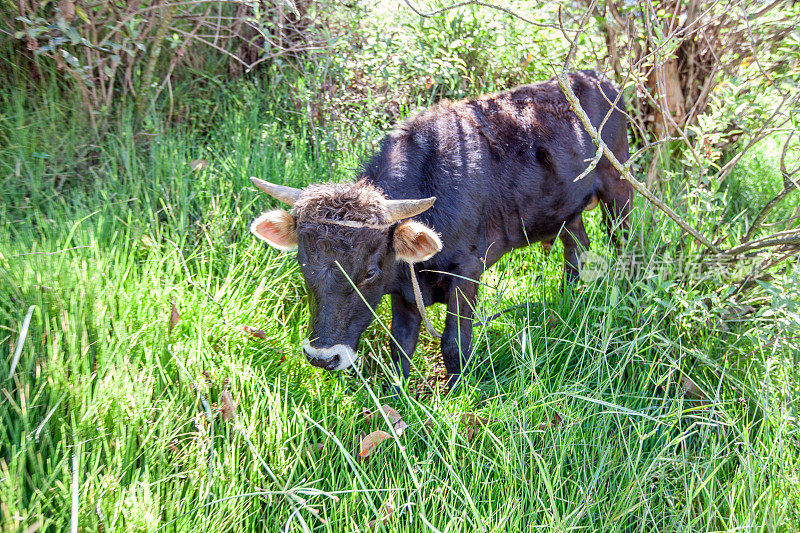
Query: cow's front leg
[457,335]
[576,242]
[405,334]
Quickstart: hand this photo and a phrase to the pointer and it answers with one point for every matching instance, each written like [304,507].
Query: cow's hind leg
[575,240]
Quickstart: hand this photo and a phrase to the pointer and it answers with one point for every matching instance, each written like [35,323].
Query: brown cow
[451,190]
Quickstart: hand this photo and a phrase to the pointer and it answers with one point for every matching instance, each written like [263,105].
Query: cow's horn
[287,195]
[401,209]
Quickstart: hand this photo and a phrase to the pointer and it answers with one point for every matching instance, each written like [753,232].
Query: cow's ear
[415,242]
[276,228]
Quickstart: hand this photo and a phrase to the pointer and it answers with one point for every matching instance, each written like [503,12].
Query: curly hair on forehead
[358,202]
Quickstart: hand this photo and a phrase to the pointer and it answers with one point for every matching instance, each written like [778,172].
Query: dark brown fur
[502,168]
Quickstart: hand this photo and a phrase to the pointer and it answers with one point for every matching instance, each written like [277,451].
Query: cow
[450,190]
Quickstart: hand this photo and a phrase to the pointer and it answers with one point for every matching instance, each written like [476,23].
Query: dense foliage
[660,395]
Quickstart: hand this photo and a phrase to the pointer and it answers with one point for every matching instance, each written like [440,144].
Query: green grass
[108,402]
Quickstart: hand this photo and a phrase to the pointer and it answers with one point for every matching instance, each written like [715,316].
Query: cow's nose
[336,357]
[327,364]
[320,357]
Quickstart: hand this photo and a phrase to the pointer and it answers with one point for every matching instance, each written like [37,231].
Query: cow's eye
[371,275]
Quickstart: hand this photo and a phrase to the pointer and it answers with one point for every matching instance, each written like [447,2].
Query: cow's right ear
[276,228]
[415,242]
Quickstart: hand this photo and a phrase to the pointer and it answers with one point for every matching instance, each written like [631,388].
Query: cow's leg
[575,240]
[616,195]
[457,335]
[405,332]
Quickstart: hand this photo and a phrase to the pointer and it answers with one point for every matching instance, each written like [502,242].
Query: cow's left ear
[277,228]
[415,242]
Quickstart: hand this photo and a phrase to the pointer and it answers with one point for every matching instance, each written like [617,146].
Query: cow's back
[502,166]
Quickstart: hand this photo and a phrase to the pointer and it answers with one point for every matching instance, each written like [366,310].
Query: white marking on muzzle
[347,356]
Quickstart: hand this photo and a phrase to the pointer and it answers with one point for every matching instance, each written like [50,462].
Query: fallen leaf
[227,407]
[555,421]
[370,442]
[198,164]
[367,414]
[691,389]
[255,332]
[472,422]
[388,510]
[392,414]
[400,426]
[428,425]
[314,448]
[473,419]
[174,316]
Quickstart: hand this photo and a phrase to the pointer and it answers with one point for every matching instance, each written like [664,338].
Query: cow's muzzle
[336,357]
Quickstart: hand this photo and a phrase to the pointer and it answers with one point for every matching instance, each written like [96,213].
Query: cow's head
[350,239]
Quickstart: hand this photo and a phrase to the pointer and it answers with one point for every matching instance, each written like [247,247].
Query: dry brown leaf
[67,8]
[555,421]
[472,422]
[428,426]
[33,528]
[691,389]
[174,317]
[367,414]
[255,332]
[314,448]
[400,426]
[392,414]
[198,164]
[388,510]
[471,419]
[370,442]
[227,407]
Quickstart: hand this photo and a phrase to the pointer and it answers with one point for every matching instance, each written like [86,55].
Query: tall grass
[591,422]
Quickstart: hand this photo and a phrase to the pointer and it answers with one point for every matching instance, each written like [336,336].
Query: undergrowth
[641,401]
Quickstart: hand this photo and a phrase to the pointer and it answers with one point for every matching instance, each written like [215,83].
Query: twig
[212,45]
[566,88]
[477,3]
[791,237]
[789,185]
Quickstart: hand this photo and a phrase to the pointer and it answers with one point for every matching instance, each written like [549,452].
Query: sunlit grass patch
[621,405]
